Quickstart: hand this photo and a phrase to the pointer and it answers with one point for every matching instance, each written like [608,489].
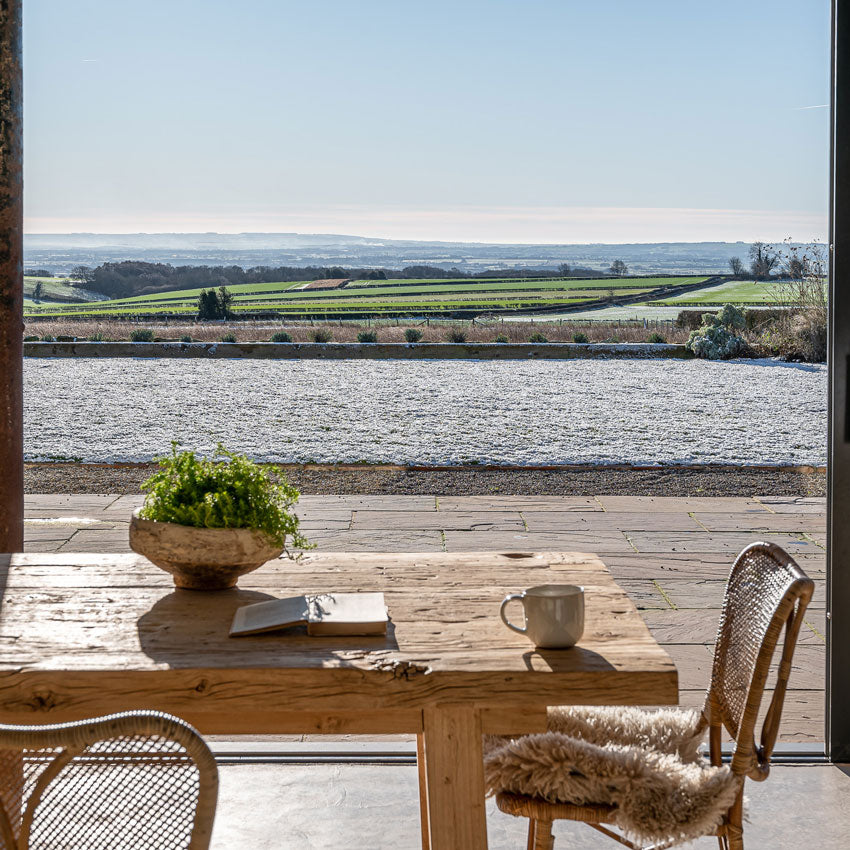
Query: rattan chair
[130,781]
[766,592]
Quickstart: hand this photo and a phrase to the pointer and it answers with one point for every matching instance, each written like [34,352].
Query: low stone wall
[356,350]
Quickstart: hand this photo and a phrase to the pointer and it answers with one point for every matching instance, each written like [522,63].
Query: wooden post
[11,282]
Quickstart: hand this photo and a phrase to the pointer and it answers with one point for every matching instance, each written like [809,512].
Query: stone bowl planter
[201,558]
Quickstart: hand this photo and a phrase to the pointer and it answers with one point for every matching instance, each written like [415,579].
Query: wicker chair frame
[766,593]
[135,780]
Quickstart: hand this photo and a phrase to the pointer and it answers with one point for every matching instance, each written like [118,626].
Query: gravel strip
[430,413]
[567,481]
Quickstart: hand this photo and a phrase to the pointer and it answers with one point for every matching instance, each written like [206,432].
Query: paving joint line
[766,507]
[598,502]
[629,541]
[821,637]
[663,593]
[701,524]
[809,539]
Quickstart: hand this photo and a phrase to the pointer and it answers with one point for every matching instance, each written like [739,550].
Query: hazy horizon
[493,121]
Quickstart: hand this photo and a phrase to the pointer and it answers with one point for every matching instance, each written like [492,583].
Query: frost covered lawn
[430,412]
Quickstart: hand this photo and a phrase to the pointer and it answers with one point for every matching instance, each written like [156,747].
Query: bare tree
[82,275]
[736,266]
[763,260]
[565,269]
[619,268]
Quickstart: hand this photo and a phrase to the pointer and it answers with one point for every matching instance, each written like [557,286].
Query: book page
[271,615]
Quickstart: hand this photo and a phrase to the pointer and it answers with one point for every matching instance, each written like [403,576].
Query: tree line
[791,262]
[135,277]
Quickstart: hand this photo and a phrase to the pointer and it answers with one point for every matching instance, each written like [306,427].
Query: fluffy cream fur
[647,764]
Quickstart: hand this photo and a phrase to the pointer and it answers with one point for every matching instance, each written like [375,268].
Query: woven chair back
[129,781]
[766,593]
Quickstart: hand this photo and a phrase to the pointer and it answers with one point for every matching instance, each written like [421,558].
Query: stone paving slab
[671,554]
[521,503]
[738,504]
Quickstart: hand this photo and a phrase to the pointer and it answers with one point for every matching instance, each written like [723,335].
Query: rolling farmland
[389,298]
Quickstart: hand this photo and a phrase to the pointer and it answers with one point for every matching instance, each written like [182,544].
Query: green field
[383,298]
[742,292]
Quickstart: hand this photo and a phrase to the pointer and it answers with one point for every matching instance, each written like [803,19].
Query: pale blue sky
[494,120]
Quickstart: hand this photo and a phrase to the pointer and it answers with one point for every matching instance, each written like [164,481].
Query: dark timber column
[11,282]
[838,501]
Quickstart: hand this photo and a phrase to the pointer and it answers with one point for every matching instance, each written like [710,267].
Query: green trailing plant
[141,335]
[456,335]
[186,338]
[537,337]
[655,338]
[501,338]
[367,336]
[97,337]
[580,337]
[30,339]
[716,339]
[322,335]
[412,334]
[226,490]
[281,336]
[47,338]
[229,338]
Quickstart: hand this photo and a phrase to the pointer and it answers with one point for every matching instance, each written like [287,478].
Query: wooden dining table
[88,634]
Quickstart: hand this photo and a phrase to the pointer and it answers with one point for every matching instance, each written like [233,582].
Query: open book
[323,613]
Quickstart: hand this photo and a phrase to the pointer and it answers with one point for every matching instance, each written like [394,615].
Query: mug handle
[510,598]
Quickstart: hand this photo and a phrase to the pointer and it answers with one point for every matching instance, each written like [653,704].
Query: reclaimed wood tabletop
[89,634]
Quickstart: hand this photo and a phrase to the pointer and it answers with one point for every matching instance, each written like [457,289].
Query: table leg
[454,770]
[423,791]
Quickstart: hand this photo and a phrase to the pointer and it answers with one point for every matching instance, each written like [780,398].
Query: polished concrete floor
[350,807]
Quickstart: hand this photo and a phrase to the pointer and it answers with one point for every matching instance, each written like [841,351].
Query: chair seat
[523,806]
[639,770]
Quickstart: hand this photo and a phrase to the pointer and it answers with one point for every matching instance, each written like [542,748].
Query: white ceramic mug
[554,614]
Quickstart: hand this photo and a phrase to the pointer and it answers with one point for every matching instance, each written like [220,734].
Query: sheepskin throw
[646,764]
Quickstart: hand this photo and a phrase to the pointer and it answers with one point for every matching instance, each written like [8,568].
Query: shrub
[537,337]
[731,317]
[66,339]
[281,336]
[412,335]
[501,338]
[186,338]
[97,337]
[214,305]
[30,339]
[759,318]
[456,335]
[141,335]
[580,337]
[322,335]
[367,336]
[47,338]
[225,491]
[716,339]
[688,320]
[655,337]
[229,338]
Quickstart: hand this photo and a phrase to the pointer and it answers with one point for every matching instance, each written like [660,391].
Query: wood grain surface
[87,634]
